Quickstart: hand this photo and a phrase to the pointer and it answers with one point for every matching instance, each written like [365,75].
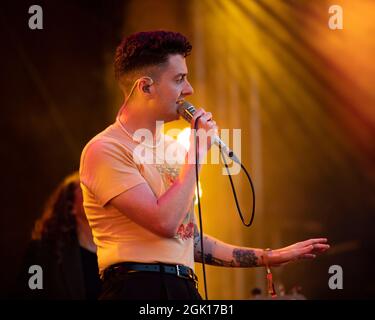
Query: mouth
[178,103]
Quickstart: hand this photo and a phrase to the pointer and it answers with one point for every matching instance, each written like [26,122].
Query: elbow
[166,226]
[167,230]
[167,234]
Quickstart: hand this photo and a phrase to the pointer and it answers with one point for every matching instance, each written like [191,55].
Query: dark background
[53,100]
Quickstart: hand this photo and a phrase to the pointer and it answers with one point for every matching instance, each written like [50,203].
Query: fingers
[313,249]
[206,130]
[314,241]
[206,117]
[204,120]
[320,247]
[202,115]
[198,114]
[307,249]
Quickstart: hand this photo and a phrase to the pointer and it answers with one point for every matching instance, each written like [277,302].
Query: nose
[188,89]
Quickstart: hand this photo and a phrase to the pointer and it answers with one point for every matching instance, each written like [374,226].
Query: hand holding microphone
[205,122]
[189,113]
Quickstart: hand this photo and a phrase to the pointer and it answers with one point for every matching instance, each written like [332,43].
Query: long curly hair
[57,226]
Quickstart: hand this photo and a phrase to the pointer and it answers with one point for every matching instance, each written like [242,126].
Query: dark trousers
[148,286]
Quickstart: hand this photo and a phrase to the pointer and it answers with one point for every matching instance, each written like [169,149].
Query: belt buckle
[180,275]
[188,276]
[178,271]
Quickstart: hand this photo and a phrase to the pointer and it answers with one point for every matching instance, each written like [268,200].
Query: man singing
[142,213]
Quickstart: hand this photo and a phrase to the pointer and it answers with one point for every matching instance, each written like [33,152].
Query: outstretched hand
[307,249]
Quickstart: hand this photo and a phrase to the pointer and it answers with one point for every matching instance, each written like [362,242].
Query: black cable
[234,195]
[199,205]
[234,191]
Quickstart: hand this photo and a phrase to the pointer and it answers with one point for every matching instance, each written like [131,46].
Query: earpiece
[146,88]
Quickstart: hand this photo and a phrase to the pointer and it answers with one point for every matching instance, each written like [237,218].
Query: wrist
[266,257]
[267,254]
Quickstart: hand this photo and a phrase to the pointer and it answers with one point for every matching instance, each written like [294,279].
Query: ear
[146,88]
[145,84]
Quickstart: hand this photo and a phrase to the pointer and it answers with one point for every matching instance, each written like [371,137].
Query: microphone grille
[186,110]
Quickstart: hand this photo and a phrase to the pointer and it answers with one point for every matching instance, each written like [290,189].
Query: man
[141,213]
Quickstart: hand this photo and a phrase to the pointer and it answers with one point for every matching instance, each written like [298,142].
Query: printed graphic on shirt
[185,231]
[169,175]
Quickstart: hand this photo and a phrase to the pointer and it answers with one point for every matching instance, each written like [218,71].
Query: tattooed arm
[218,253]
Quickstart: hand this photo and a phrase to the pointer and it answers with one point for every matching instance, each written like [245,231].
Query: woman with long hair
[62,245]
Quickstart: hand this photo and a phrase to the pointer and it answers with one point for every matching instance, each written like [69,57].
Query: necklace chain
[132,137]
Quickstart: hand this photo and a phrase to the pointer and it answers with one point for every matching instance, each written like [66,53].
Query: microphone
[187,110]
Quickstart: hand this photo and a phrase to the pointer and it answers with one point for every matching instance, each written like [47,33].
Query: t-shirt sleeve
[108,169]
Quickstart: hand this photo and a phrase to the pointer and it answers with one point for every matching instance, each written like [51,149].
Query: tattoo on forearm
[240,257]
[197,239]
[245,258]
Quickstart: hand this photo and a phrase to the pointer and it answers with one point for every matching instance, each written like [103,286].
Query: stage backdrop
[301,93]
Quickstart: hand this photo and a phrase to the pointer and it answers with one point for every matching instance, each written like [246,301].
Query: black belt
[178,270]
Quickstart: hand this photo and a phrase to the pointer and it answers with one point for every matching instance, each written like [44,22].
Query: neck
[132,121]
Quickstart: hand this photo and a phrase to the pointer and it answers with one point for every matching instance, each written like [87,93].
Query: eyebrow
[180,74]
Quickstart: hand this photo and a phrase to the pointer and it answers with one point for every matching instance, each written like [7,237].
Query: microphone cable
[199,205]
[233,192]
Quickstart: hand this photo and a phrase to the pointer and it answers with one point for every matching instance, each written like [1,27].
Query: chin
[171,118]
[177,116]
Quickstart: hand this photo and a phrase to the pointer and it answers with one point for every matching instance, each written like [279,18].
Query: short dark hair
[144,49]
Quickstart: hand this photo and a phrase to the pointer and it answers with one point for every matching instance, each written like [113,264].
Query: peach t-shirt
[109,167]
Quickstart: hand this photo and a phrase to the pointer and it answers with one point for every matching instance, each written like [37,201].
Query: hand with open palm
[307,249]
